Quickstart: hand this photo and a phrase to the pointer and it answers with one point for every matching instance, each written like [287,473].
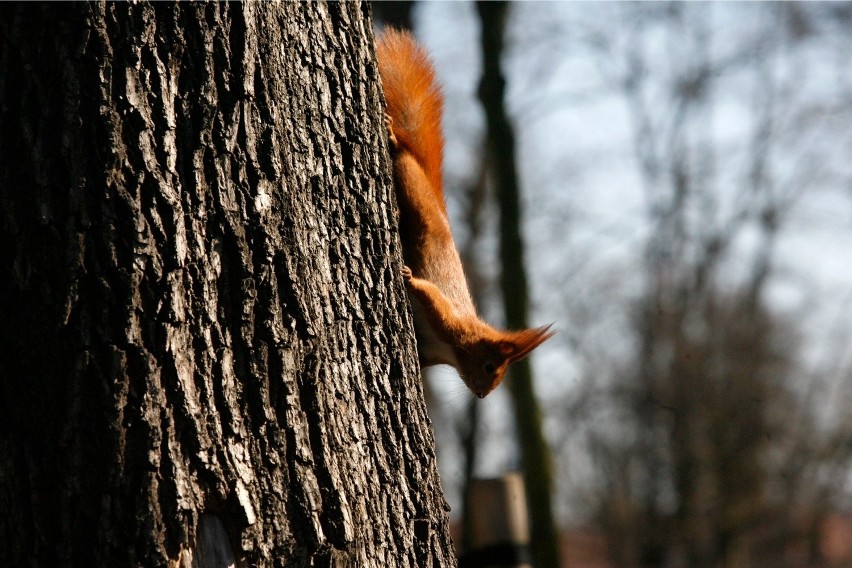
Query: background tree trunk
[200,306]
[535,454]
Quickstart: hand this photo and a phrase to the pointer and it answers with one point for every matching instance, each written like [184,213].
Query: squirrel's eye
[489,368]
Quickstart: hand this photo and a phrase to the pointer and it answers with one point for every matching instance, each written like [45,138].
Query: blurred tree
[396,13]
[535,453]
[711,374]
[468,424]
[706,425]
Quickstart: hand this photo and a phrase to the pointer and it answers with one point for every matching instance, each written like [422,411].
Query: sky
[585,203]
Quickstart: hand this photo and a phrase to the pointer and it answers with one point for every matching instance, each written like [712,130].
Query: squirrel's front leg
[439,309]
[393,143]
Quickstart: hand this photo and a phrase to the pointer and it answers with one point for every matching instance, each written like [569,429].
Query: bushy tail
[414,101]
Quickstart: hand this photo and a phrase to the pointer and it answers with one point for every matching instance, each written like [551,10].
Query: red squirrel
[446,325]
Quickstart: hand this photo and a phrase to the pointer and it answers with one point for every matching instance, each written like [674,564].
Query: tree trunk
[535,453]
[201,314]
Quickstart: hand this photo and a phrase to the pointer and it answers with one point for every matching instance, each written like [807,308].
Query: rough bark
[201,315]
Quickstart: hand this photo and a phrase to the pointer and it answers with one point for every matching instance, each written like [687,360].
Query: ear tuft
[524,341]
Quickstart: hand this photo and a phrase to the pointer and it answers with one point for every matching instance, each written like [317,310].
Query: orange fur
[414,101]
[447,327]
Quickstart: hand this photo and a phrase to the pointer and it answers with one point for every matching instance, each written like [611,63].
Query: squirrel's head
[483,363]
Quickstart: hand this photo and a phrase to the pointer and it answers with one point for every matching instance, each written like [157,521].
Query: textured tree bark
[201,315]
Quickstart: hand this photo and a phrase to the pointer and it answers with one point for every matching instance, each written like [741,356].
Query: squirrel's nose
[480,394]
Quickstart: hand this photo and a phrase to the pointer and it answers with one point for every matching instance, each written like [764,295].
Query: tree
[698,448]
[201,317]
[396,13]
[535,453]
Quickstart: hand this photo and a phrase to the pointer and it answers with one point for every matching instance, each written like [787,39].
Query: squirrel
[447,328]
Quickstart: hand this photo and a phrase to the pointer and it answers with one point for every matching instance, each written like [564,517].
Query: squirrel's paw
[406,274]
[392,141]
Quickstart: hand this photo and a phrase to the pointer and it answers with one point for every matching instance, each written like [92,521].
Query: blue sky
[586,206]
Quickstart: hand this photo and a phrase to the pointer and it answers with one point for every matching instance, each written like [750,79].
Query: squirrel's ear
[524,341]
[507,349]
